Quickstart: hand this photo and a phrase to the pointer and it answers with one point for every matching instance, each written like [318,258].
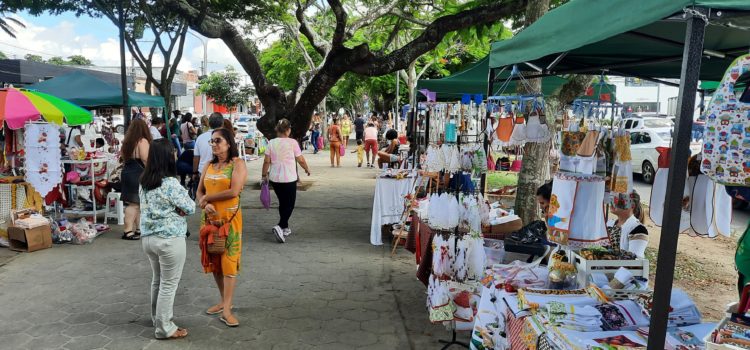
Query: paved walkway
[327,288]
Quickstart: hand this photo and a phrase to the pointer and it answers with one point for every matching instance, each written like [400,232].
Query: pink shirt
[371,133]
[283,152]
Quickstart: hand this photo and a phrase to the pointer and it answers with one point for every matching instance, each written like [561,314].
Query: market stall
[689,40]
[34,172]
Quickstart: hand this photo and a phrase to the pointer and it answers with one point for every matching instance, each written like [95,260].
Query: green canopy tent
[648,39]
[473,80]
[86,90]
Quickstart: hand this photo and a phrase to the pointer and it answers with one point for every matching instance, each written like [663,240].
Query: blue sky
[97,39]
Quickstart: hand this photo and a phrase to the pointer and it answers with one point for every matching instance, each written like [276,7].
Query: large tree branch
[433,35]
[304,28]
[409,18]
[339,33]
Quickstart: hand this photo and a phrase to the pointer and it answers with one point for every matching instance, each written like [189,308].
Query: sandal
[217,311]
[179,334]
[131,236]
[229,323]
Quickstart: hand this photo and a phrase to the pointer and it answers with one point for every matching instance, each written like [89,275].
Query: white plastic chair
[114,208]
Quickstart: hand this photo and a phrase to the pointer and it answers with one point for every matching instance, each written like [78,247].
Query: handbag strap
[205,216]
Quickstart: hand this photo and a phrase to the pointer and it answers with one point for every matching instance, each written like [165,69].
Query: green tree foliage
[33,58]
[57,60]
[79,60]
[3,56]
[225,88]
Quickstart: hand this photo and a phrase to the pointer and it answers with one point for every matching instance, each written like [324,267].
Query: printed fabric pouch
[726,146]
[570,142]
[504,129]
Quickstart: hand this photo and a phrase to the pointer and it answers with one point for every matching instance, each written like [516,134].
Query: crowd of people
[204,154]
[371,135]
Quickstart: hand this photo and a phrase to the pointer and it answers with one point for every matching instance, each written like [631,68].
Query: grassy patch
[500,179]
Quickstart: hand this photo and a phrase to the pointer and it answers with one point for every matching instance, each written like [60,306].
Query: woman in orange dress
[219,196]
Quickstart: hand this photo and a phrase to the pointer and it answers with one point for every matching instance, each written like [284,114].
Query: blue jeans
[314,140]
[176,144]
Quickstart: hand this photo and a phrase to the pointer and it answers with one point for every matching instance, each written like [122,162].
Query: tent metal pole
[691,64]
[123,70]
[486,141]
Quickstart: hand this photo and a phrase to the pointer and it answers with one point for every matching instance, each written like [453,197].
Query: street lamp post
[204,67]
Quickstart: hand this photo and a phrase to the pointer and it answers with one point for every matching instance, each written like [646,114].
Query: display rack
[92,187]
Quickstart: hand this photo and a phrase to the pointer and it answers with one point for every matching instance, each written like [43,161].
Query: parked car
[644,149]
[645,122]
[246,122]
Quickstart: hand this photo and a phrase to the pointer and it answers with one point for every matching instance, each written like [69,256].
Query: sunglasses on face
[215,141]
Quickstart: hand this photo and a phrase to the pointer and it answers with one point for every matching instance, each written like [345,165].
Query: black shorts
[359,134]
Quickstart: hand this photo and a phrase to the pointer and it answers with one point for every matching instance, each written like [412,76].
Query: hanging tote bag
[622,171]
[726,146]
[265,195]
[342,150]
[570,142]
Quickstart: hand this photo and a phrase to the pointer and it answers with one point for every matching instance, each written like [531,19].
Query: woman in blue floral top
[164,205]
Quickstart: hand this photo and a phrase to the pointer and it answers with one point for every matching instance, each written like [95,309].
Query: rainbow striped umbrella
[19,106]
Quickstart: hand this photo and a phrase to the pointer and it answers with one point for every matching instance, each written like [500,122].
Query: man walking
[203,153]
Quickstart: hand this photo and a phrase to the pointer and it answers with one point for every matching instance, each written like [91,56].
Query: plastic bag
[265,195]
[83,232]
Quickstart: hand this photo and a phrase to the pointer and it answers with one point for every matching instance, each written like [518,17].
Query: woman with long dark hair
[134,154]
[280,167]
[219,196]
[188,131]
[164,205]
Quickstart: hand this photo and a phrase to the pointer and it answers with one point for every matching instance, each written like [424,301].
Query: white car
[246,122]
[644,149]
[645,123]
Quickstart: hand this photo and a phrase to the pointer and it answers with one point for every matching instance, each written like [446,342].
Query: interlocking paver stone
[326,288]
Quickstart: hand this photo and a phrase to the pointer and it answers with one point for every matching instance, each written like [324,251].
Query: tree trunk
[535,166]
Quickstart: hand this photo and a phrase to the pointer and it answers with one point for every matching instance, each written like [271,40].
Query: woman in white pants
[164,205]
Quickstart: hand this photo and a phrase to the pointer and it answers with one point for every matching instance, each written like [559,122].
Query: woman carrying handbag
[219,196]
[280,170]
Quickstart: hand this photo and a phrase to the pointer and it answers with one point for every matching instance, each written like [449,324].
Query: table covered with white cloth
[388,204]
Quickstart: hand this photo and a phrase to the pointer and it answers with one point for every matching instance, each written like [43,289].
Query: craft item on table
[515,275]
[439,302]
[622,279]
[622,315]
[535,299]
[576,211]
[683,311]
[489,327]
[601,253]
[464,309]
[580,318]
[732,333]
[43,166]
[562,274]
[727,137]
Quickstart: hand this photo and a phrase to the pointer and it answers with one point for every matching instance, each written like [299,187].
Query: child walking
[360,152]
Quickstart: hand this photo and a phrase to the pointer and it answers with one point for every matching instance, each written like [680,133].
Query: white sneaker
[287,232]
[279,233]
